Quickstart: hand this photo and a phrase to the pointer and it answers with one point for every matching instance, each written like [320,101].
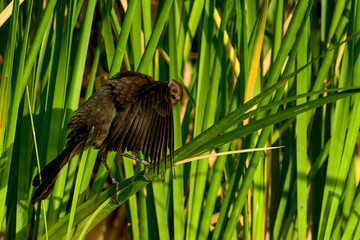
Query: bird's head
[176,92]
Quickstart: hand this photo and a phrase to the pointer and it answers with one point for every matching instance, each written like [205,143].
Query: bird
[132,112]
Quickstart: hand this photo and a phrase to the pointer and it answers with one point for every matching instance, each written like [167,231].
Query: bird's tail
[76,143]
[49,175]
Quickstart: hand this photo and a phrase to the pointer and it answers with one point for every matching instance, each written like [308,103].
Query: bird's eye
[173,97]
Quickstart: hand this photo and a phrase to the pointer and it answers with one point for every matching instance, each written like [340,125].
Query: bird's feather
[130,111]
[145,123]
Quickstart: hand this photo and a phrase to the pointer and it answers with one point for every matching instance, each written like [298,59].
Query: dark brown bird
[130,111]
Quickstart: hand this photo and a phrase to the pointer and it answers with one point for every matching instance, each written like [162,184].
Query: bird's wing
[126,86]
[146,125]
[100,109]
[116,94]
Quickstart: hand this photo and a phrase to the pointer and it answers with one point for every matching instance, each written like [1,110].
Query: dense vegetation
[256,74]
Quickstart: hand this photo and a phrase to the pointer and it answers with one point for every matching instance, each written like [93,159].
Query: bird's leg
[113,180]
[146,164]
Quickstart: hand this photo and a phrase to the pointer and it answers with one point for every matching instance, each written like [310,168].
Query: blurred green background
[255,73]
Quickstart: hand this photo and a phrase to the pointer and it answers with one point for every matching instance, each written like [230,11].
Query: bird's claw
[146,169]
[116,184]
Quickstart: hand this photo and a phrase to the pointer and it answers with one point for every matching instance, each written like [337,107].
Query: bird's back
[99,111]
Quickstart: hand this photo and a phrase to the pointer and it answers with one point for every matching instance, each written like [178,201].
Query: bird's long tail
[77,141]
[49,175]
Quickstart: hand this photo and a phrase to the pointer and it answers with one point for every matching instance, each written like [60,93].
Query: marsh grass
[255,74]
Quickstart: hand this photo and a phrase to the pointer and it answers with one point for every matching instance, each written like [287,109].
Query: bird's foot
[116,184]
[113,180]
[146,169]
[146,164]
